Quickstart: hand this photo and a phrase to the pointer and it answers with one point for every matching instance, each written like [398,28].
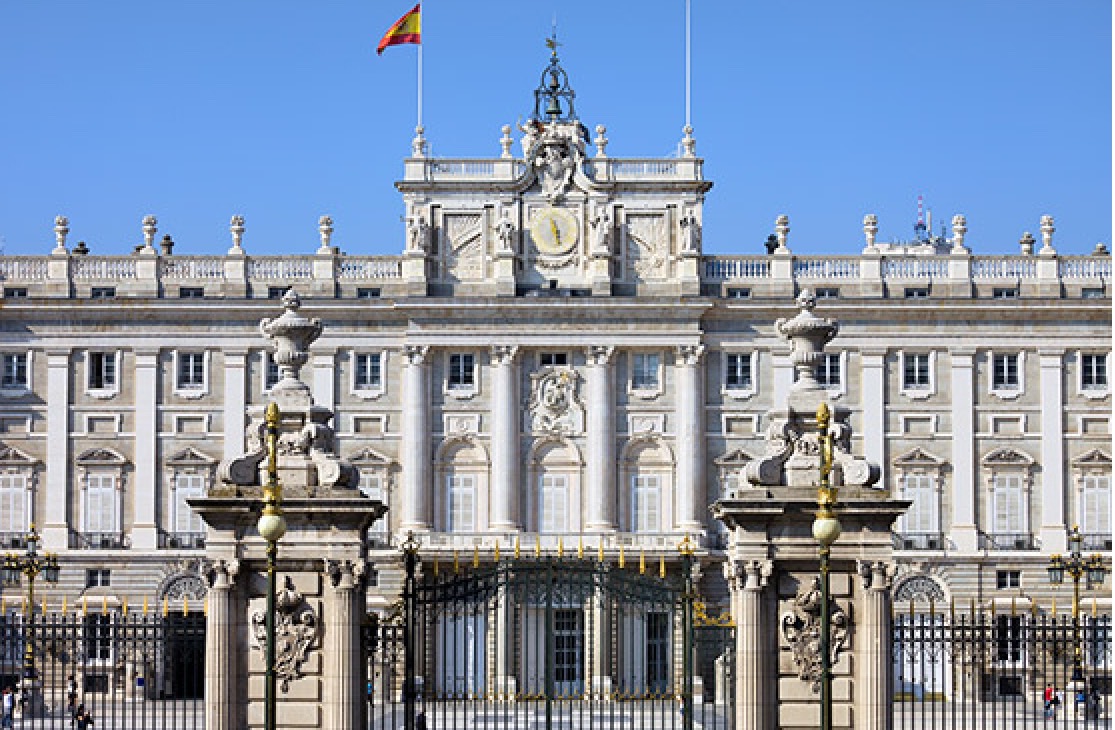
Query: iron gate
[549,642]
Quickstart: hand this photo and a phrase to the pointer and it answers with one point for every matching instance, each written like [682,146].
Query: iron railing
[919,541]
[98,540]
[181,540]
[1095,541]
[1008,541]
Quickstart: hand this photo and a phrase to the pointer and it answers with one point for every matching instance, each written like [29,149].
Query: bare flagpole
[688,65]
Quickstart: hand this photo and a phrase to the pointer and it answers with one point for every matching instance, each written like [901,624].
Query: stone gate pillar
[747,581]
[875,688]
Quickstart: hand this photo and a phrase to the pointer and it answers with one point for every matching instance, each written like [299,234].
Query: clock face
[554,231]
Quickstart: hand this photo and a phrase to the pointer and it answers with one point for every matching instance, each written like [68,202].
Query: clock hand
[556,231]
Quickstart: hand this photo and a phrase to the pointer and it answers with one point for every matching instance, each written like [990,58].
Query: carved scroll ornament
[801,628]
[296,628]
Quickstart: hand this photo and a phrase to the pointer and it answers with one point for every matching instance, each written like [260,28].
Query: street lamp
[1093,572]
[826,529]
[31,564]
[272,527]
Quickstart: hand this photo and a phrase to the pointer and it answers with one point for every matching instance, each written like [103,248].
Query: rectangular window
[369,371]
[828,293]
[1004,293]
[644,371]
[102,292]
[1095,507]
[1004,372]
[276,292]
[367,293]
[1008,579]
[19,292]
[737,371]
[185,519]
[1007,508]
[15,370]
[102,370]
[191,370]
[1008,639]
[921,518]
[915,371]
[461,511]
[13,505]
[462,371]
[659,645]
[100,504]
[1093,372]
[98,578]
[371,486]
[271,377]
[553,359]
[1091,293]
[828,372]
[645,503]
[191,292]
[98,642]
[553,499]
[916,292]
[738,292]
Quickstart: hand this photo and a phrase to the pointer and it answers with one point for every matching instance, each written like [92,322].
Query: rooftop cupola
[553,99]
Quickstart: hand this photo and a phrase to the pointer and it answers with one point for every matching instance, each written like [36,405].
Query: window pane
[461,507]
[13,503]
[553,499]
[186,486]
[738,371]
[644,373]
[645,502]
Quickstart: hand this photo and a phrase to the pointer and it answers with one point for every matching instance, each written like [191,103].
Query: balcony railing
[631,542]
[919,541]
[1095,541]
[98,540]
[13,540]
[1008,541]
[181,540]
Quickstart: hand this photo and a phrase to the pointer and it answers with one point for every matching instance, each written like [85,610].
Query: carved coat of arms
[554,408]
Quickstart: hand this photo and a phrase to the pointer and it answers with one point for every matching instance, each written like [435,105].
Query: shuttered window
[922,515]
[101,504]
[185,487]
[461,507]
[1008,513]
[646,502]
[13,503]
[553,501]
[1095,508]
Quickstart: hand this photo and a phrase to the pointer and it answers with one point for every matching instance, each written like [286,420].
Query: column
[504,508]
[963,451]
[689,433]
[783,377]
[874,685]
[503,640]
[600,470]
[235,402]
[601,686]
[343,693]
[325,370]
[221,671]
[55,518]
[746,581]
[1053,534]
[146,489]
[416,439]
[874,409]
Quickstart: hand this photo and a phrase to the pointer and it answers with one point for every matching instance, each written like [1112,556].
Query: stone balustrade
[443,169]
[465,543]
[334,274]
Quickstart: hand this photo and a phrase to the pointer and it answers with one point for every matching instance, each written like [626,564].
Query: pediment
[371,457]
[734,458]
[1007,456]
[1094,458]
[191,457]
[102,457]
[10,456]
[918,457]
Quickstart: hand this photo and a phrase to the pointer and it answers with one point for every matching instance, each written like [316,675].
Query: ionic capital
[504,354]
[689,355]
[600,355]
[415,354]
[875,575]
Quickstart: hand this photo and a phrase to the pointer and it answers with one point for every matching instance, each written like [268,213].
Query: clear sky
[280,110]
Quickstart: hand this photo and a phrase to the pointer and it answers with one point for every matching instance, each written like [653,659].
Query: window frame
[918,390]
[1093,390]
[1006,579]
[741,392]
[459,484]
[370,390]
[841,386]
[103,391]
[16,387]
[641,483]
[1005,390]
[559,486]
[457,385]
[191,391]
[21,492]
[640,388]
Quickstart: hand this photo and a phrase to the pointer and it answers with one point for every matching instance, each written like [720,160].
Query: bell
[553,109]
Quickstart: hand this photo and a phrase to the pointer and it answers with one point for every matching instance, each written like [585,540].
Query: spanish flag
[407,29]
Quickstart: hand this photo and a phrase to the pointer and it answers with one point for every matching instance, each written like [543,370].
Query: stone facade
[553,355]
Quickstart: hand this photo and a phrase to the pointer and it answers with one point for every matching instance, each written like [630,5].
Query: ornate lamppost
[826,529]
[1093,572]
[32,564]
[272,527]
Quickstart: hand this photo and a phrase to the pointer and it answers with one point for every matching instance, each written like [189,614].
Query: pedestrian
[1047,698]
[83,719]
[7,707]
[1094,701]
[1081,700]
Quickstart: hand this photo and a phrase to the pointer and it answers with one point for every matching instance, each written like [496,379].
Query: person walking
[83,720]
[7,707]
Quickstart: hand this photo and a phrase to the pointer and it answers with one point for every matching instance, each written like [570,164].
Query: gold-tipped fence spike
[475,557]
[537,546]
[456,563]
[561,548]
[1054,609]
[104,604]
[435,566]
[600,552]
[185,605]
[166,607]
[3,604]
[205,606]
[84,605]
[622,562]
[145,606]
[662,566]
[496,554]
[124,605]
[516,547]
[1095,608]
[580,547]
[64,606]
[642,562]
[1013,607]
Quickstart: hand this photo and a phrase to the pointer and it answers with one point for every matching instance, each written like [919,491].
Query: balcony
[919,541]
[651,543]
[98,540]
[1008,541]
[13,540]
[181,540]
[1095,541]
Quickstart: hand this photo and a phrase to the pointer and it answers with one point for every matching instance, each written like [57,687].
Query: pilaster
[505,439]
[874,409]
[747,582]
[55,520]
[1053,533]
[963,450]
[343,688]
[600,472]
[874,686]
[146,492]
[235,402]
[416,439]
[325,369]
[690,437]
[222,690]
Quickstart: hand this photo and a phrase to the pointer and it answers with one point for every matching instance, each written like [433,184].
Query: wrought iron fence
[549,642]
[998,670]
[130,670]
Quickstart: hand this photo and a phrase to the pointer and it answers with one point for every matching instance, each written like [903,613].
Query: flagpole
[688,65]
[421,42]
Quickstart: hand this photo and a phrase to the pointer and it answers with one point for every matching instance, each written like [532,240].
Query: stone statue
[690,234]
[418,234]
[602,232]
[505,232]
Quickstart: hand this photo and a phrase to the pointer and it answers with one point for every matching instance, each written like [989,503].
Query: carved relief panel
[462,234]
[646,246]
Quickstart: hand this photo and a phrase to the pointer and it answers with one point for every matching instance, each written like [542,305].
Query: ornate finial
[150,224]
[418,144]
[688,143]
[1100,249]
[601,141]
[552,41]
[959,228]
[505,142]
[167,245]
[236,228]
[61,228]
[292,334]
[823,419]
[1026,244]
[686,547]
[782,230]
[410,545]
[870,230]
[1047,235]
[553,89]
[807,300]
[325,229]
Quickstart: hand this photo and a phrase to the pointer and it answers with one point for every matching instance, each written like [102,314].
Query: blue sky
[280,110]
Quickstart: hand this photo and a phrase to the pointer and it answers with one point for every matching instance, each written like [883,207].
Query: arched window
[648,506]
[554,504]
[462,504]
